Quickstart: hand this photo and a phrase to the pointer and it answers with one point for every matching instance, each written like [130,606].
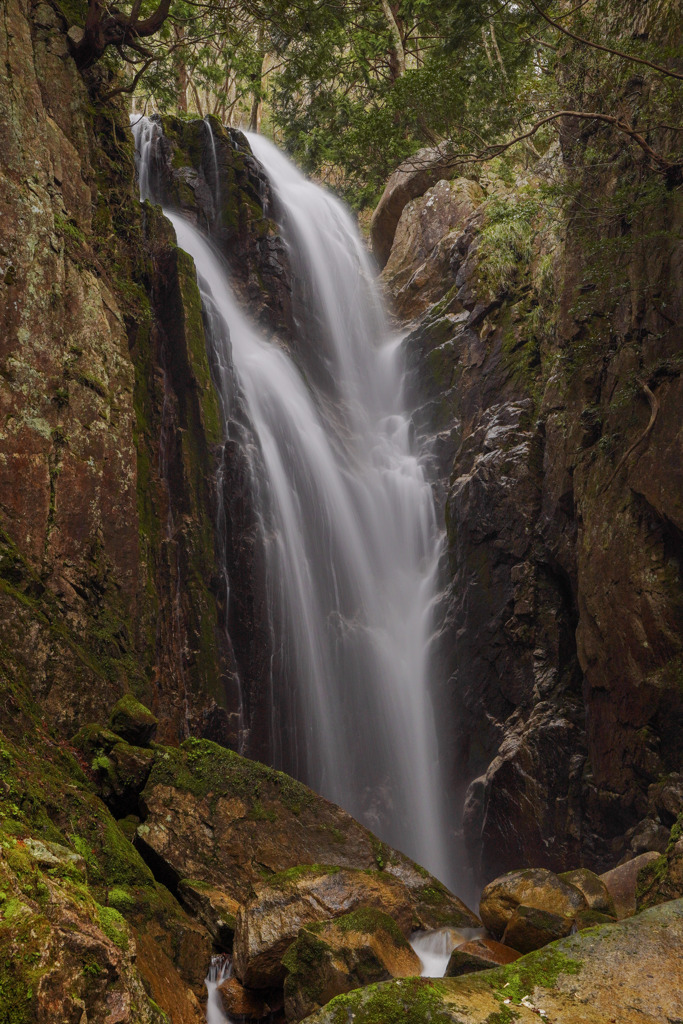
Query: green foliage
[507,240]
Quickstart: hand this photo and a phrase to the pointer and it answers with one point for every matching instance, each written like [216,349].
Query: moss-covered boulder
[329,958]
[622,882]
[303,896]
[535,888]
[479,955]
[262,822]
[592,977]
[132,721]
[63,955]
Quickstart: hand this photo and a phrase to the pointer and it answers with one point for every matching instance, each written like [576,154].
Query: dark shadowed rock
[239,1001]
[132,721]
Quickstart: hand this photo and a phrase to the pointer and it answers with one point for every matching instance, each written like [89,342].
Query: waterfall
[220,968]
[350,531]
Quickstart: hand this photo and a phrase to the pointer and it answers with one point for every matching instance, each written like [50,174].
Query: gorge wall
[545,354]
[111,436]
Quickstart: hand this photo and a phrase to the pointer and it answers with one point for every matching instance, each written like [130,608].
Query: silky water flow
[352,540]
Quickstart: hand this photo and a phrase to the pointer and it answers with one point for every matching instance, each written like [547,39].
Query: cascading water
[352,540]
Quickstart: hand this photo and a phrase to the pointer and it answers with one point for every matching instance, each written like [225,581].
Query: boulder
[427,234]
[479,955]
[132,721]
[535,888]
[239,1001]
[217,818]
[411,179]
[621,883]
[595,891]
[270,922]
[530,928]
[357,949]
[591,977]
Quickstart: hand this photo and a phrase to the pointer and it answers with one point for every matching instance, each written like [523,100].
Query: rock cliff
[544,349]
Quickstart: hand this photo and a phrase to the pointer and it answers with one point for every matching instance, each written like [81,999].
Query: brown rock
[625,973]
[239,1001]
[534,888]
[213,907]
[425,237]
[479,955]
[662,879]
[357,949]
[411,179]
[270,922]
[621,883]
[530,928]
[254,819]
[595,891]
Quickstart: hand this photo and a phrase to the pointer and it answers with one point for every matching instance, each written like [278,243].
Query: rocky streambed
[160,858]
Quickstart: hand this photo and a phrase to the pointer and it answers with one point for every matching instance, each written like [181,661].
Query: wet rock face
[561,710]
[69,540]
[208,172]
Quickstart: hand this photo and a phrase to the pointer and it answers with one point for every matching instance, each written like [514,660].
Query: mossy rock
[588,976]
[530,928]
[662,879]
[593,888]
[132,721]
[332,957]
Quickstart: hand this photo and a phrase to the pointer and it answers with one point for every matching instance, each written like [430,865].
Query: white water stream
[352,540]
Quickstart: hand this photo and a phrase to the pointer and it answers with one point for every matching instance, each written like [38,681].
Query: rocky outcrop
[256,822]
[411,179]
[419,260]
[587,978]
